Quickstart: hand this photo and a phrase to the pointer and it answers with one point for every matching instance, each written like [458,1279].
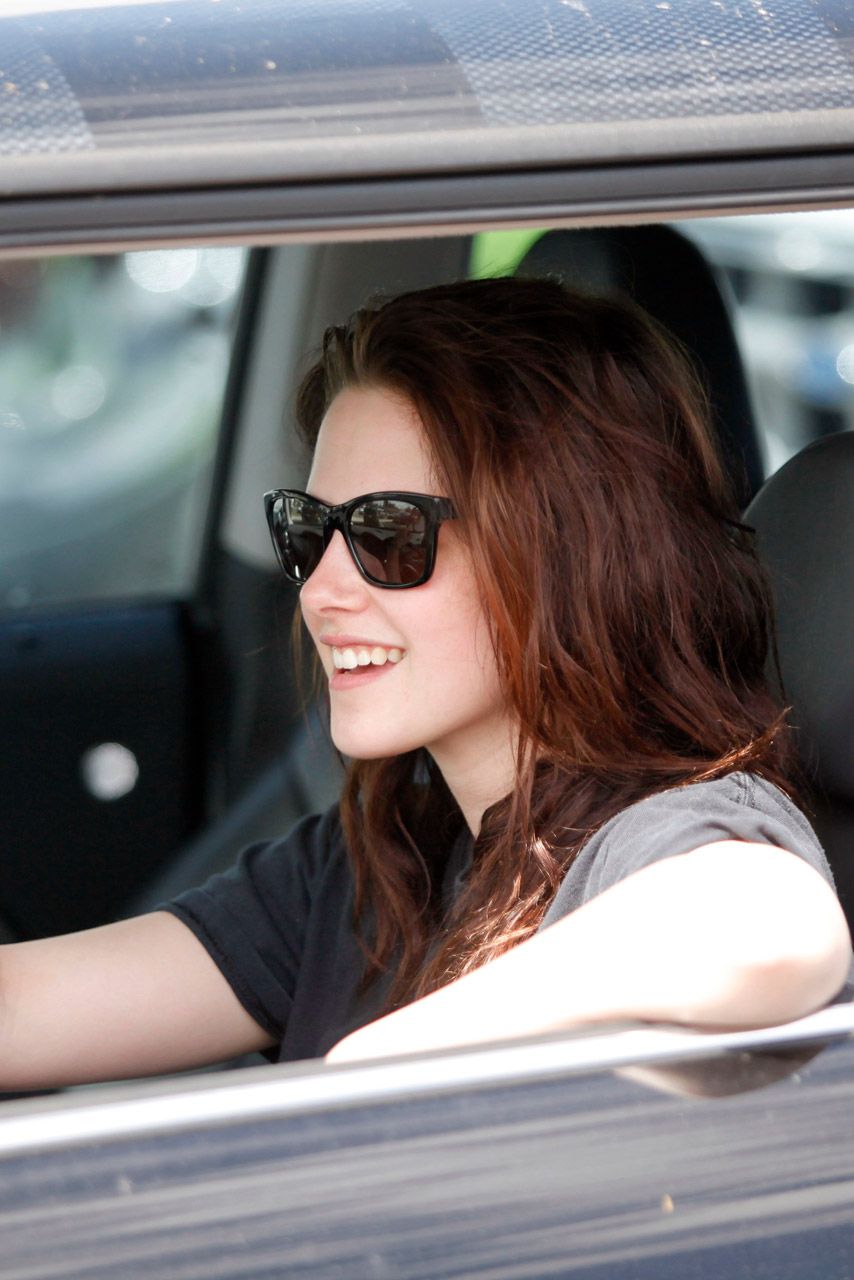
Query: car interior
[192,191]
[160,728]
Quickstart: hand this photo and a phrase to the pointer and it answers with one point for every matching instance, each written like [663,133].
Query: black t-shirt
[280,923]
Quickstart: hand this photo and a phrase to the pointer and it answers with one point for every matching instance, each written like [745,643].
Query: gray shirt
[740,806]
[280,923]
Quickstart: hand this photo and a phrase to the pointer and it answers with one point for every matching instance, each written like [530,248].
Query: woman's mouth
[353,656]
[356,665]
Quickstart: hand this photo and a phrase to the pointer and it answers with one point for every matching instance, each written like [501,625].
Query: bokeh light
[162,270]
[77,392]
[845,363]
[109,770]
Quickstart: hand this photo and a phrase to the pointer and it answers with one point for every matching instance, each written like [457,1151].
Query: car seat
[804,519]
[667,275]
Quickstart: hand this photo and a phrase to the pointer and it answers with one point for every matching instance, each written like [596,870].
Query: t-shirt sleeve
[252,919]
[740,806]
[737,807]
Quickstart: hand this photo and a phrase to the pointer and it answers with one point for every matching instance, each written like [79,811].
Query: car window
[789,281]
[791,277]
[112,373]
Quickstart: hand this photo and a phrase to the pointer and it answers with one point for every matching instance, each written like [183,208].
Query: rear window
[112,373]
[789,282]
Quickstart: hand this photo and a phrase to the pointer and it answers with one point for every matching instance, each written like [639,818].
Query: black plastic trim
[220,631]
[249,307]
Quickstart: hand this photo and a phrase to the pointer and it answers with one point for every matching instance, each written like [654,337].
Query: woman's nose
[336,582]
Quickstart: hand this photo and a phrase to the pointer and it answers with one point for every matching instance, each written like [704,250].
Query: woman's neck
[478,769]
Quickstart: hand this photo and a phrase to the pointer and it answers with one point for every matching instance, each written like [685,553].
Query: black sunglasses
[391,536]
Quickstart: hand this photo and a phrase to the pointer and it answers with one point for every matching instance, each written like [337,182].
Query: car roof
[304,98]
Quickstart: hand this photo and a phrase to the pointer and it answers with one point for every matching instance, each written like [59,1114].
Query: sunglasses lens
[390,539]
[298,534]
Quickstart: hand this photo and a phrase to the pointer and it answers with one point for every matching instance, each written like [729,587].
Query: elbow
[793,974]
[813,968]
[781,943]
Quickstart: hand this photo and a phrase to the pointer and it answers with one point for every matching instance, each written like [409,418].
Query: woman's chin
[368,743]
[368,746]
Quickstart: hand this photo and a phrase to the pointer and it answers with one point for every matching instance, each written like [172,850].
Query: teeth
[348,659]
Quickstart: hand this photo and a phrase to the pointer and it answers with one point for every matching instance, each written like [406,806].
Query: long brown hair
[630,617]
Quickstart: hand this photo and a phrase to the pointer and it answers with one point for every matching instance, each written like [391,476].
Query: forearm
[139,997]
[673,943]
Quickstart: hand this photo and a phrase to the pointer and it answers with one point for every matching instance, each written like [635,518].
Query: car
[191,191]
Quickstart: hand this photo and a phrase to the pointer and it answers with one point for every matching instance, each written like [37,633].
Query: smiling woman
[571,656]
[444,695]
[571,795]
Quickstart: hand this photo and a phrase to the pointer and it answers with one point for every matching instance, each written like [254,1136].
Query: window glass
[791,277]
[789,280]
[112,372]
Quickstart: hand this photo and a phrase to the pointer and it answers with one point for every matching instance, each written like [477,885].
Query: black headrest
[804,518]
[667,275]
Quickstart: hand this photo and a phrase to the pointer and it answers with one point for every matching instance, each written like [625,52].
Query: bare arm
[134,998]
[732,934]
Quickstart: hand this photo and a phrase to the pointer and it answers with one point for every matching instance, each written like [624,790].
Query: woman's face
[443,692]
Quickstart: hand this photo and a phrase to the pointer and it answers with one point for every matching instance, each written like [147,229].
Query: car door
[118,377]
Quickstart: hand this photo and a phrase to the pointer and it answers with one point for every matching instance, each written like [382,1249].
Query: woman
[543,633]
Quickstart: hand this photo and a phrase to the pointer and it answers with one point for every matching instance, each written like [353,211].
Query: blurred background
[112,373]
[113,370]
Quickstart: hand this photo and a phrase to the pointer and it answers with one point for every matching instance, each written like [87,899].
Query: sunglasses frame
[337,518]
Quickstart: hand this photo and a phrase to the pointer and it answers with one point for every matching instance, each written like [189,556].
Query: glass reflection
[112,371]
